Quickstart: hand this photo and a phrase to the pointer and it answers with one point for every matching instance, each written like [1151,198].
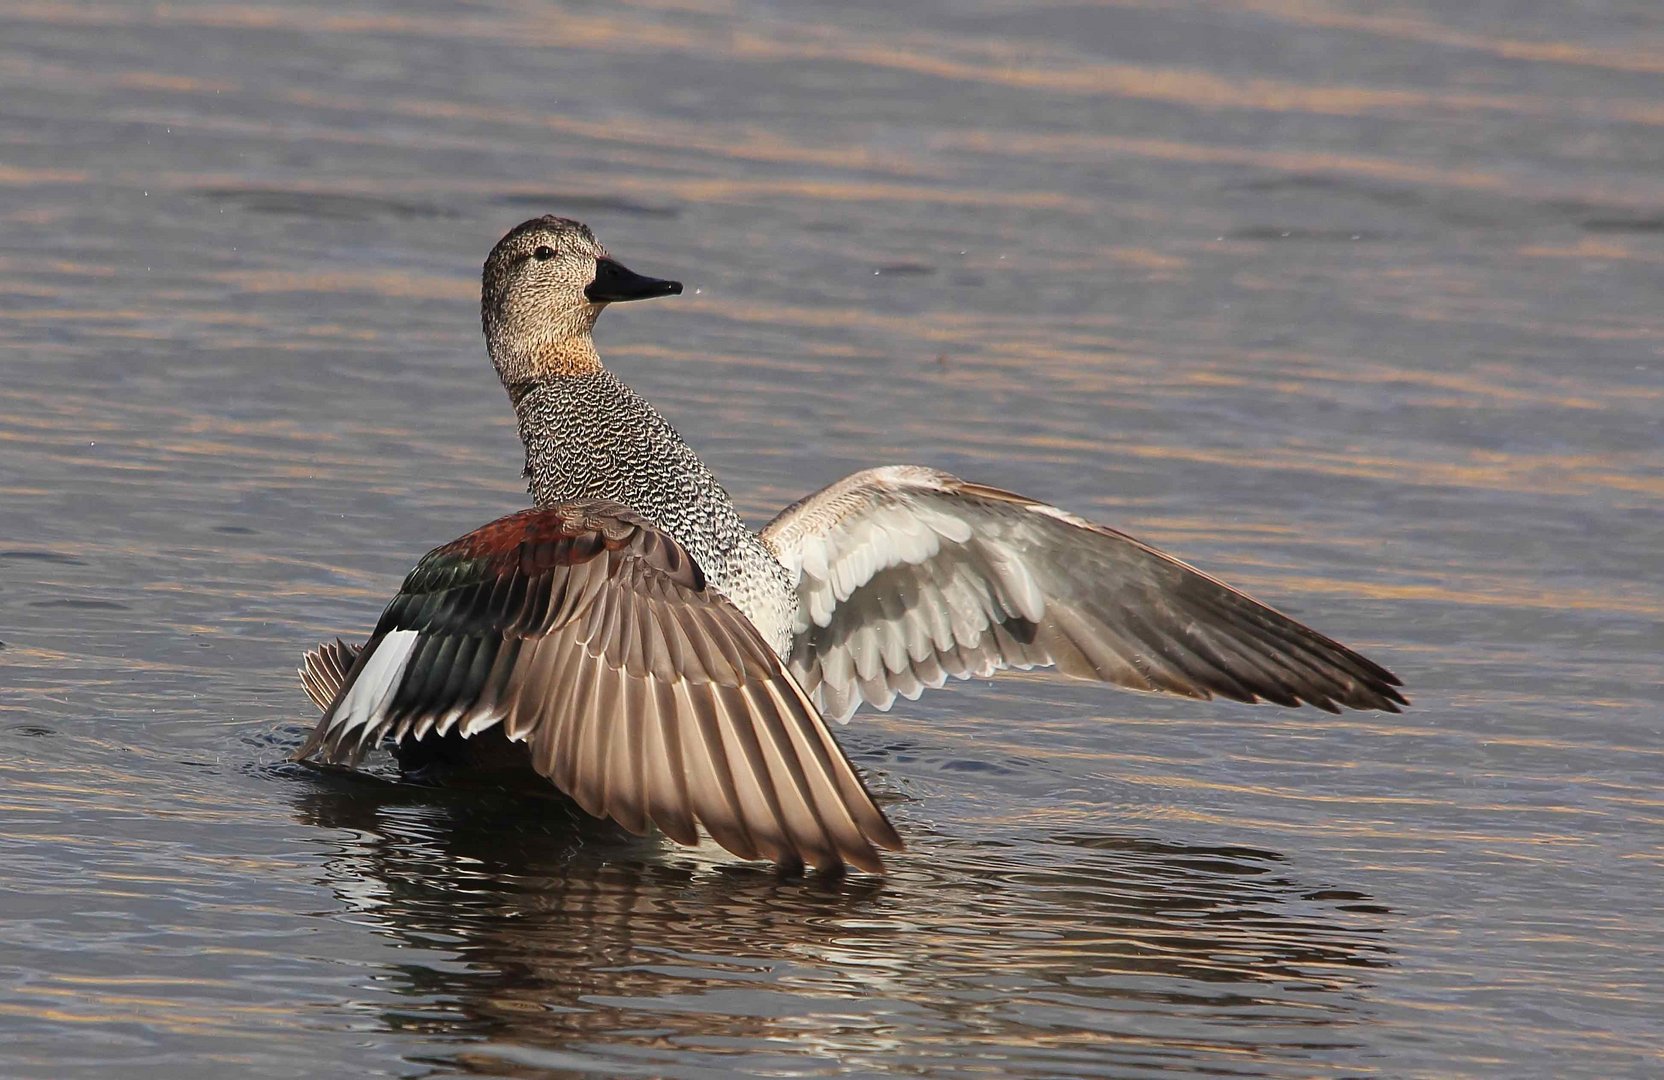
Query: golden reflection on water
[1112,274]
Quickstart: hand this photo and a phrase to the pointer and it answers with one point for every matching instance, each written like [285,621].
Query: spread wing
[590,636]
[907,575]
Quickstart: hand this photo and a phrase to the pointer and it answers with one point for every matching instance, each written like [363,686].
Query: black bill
[615,282]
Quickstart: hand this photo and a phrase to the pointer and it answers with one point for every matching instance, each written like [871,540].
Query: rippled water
[1356,305]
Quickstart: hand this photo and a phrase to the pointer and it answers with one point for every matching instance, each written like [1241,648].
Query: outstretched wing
[907,575]
[590,636]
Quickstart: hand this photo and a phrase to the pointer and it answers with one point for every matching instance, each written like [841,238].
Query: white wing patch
[375,686]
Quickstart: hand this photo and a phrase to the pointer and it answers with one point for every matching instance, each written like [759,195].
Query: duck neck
[570,424]
[589,436]
[530,362]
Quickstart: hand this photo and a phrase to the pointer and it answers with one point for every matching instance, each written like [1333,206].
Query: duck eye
[543,253]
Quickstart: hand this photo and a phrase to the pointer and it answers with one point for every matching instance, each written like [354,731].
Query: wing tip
[868,861]
[1389,698]
[1380,689]
[1380,697]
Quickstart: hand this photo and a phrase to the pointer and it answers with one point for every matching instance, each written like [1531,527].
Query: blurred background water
[1354,304]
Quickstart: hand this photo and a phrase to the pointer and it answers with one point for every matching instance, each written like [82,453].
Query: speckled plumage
[590,436]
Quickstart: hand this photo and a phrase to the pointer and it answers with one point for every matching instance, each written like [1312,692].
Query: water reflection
[558,944]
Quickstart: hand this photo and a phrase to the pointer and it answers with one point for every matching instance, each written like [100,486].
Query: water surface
[1354,305]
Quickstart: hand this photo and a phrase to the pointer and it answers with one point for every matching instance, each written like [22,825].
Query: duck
[631,641]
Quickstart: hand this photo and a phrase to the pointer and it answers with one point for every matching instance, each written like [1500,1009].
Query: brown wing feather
[324,669]
[591,637]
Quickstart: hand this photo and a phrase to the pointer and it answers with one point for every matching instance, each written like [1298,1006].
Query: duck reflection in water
[555,947]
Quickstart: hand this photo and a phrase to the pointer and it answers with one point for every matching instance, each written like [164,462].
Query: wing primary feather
[568,754]
[1319,646]
[604,707]
[837,765]
[598,623]
[668,802]
[793,797]
[819,777]
[550,722]
[324,671]
[626,774]
[710,781]
[564,601]
[1171,666]
[553,725]
[1323,673]
[1267,676]
[753,786]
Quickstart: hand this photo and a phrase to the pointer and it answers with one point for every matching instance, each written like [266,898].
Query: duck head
[544,285]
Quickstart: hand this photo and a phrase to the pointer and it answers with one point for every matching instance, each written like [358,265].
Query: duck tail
[325,668]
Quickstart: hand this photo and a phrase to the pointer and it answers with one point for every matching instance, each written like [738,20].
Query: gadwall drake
[635,643]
